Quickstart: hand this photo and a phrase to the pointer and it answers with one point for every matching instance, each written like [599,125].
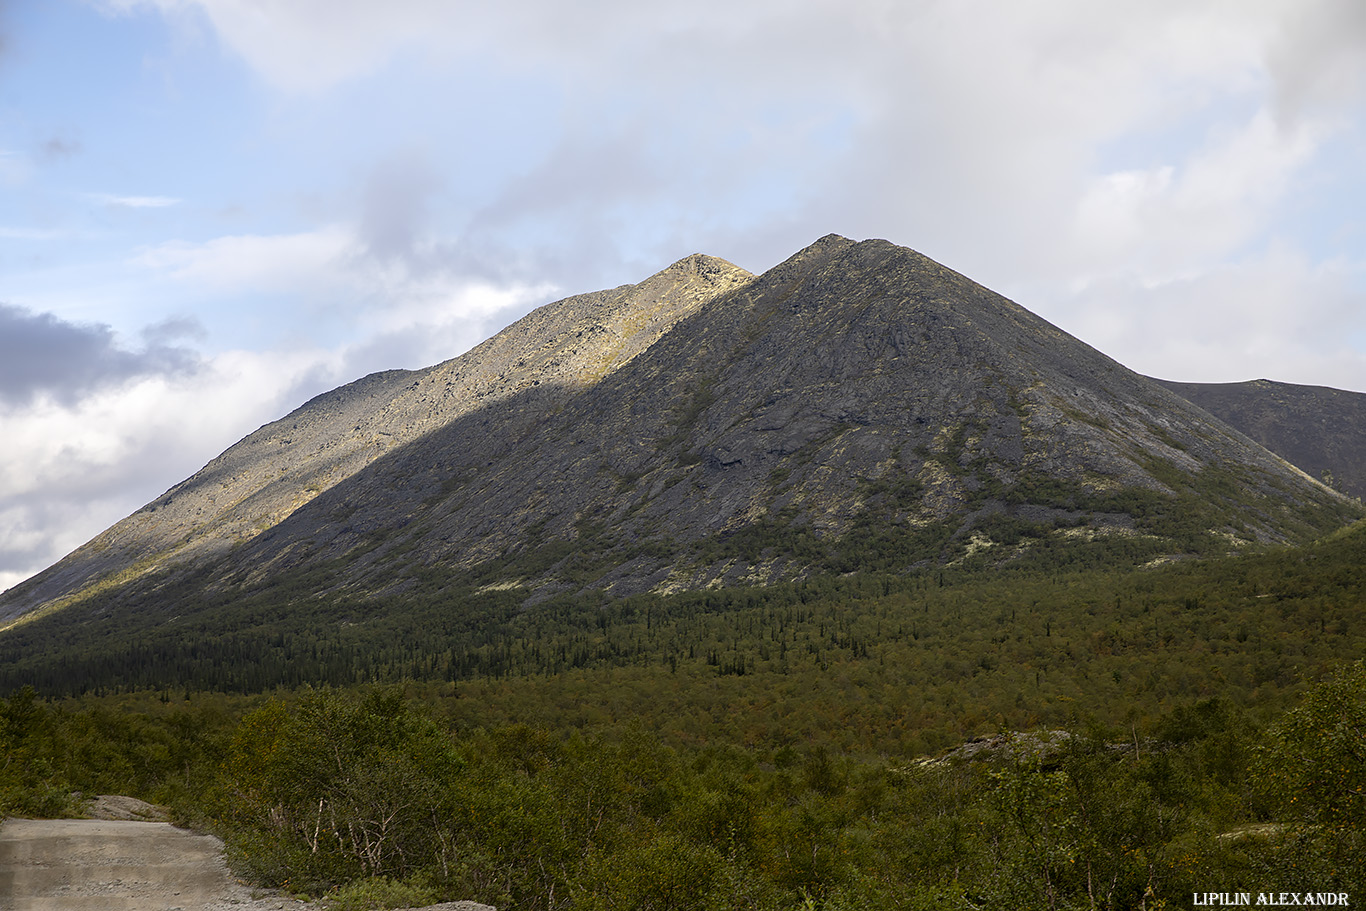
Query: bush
[381,892]
[1315,768]
[340,788]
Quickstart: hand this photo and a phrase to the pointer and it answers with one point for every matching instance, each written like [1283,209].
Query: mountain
[1319,429]
[542,358]
[858,406]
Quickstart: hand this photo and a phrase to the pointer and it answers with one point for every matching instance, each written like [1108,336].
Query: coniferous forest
[1057,735]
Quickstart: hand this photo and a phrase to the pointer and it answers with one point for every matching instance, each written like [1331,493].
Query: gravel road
[115,864]
[128,858]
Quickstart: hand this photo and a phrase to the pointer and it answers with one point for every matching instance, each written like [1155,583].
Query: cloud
[1169,218]
[974,128]
[425,323]
[134,202]
[173,328]
[385,287]
[252,261]
[1319,58]
[42,355]
[1049,142]
[348,37]
[73,467]
[395,211]
[1275,316]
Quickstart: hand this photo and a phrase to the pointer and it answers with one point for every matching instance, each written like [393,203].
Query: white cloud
[310,45]
[135,202]
[69,470]
[973,128]
[429,321]
[414,306]
[1276,316]
[1168,219]
[237,262]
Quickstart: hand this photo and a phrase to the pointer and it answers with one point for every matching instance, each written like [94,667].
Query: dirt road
[119,865]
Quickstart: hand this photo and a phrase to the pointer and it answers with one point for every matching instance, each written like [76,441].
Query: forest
[1058,735]
[374,798]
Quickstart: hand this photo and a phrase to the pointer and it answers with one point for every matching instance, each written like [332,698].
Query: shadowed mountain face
[1321,430]
[856,407]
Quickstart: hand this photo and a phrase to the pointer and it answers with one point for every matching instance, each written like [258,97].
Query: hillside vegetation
[872,662]
[1130,738]
[368,795]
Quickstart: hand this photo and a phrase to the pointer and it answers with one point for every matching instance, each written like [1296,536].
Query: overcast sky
[211,210]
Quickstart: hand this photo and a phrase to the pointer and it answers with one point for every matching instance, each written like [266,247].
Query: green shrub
[381,892]
[337,788]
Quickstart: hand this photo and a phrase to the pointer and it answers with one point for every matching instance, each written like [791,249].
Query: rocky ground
[128,861]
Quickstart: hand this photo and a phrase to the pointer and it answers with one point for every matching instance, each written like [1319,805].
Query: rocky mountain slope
[1319,429]
[542,358]
[857,406]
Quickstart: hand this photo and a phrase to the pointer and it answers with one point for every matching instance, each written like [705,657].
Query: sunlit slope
[542,358]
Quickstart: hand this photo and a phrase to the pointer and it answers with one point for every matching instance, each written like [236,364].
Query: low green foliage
[148,746]
[1314,771]
[333,789]
[365,798]
[381,892]
[867,664]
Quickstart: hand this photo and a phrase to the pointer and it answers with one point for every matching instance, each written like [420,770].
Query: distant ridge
[857,407]
[1319,429]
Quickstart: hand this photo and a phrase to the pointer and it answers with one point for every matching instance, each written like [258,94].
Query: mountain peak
[705,265]
[858,406]
[833,242]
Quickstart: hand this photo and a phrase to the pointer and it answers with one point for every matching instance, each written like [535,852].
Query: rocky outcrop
[128,809]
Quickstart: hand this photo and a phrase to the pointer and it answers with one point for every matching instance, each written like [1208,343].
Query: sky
[212,210]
